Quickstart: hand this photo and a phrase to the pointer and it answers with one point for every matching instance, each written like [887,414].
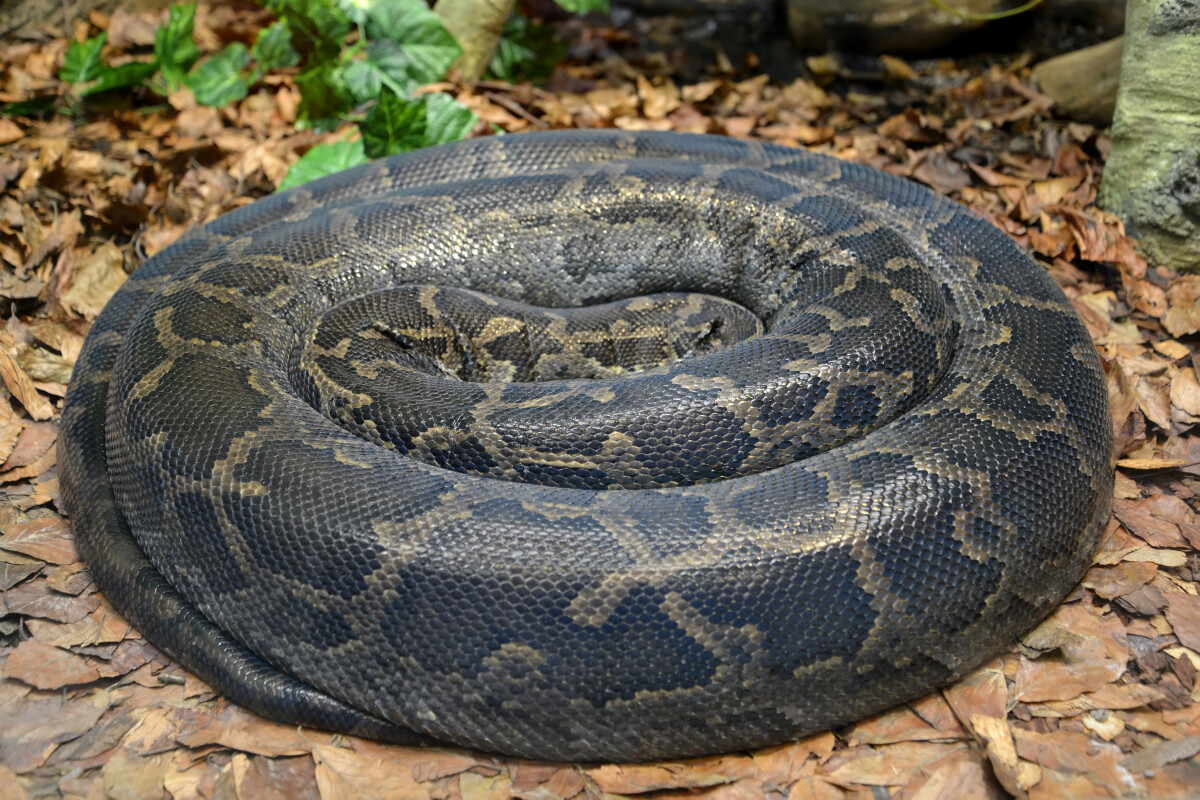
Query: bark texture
[1152,180]
[476,24]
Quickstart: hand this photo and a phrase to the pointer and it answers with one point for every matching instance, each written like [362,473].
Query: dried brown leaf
[941,172]
[1182,316]
[10,131]
[782,764]
[1072,753]
[1185,394]
[1090,650]
[19,383]
[473,786]
[888,765]
[691,773]
[1119,580]
[1013,775]
[343,774]
[12,574]
[983,692]
[96,280]
[1156,756]
[47,667]
[1109,697]
[900,725]
[130,776]
[32,444]
[278,779]
[534,781]
[238,729]
[33,726]
[1183,612]
[36,599]
[815,787]
[960,775]
[1153,393]
[659,98]
[1162,520]
[48,539]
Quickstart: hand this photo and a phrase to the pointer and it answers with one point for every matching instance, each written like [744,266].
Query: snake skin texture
[588,445]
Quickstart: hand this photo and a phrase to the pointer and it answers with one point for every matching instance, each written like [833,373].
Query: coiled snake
[346,454]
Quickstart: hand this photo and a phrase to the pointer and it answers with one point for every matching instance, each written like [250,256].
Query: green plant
[84,68]
[357,60]
[525,52]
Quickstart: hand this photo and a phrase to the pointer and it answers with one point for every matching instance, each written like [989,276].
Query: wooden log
[881,26]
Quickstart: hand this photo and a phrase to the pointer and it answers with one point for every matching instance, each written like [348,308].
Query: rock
[1084,83]
[881,26]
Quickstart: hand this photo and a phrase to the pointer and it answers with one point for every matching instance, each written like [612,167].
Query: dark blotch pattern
[589,445]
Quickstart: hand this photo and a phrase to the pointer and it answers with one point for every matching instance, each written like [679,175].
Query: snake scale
[588,445]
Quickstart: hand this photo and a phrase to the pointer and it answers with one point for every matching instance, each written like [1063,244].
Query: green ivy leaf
[409,43]
[322,160]
[82,61]
[525,52]
[135,73]
[583,6]
[27,108]
[318,28]
[447,120]
[273,47]
[362,80]
[393,125]
[82,65]
[218,81]
[396,125]
[323,97]
[174,49]
[357,10]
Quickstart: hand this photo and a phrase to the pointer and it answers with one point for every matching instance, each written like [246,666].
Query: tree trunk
[476,24]
[1152,180]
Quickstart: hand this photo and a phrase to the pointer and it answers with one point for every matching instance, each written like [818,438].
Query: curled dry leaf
[1015,776]
[21,387]
[96,280]
[1083,652]
[1182,316]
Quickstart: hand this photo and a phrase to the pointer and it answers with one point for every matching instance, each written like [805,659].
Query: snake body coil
[833,442]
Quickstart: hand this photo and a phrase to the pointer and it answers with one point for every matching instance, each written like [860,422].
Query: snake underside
[588,445]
